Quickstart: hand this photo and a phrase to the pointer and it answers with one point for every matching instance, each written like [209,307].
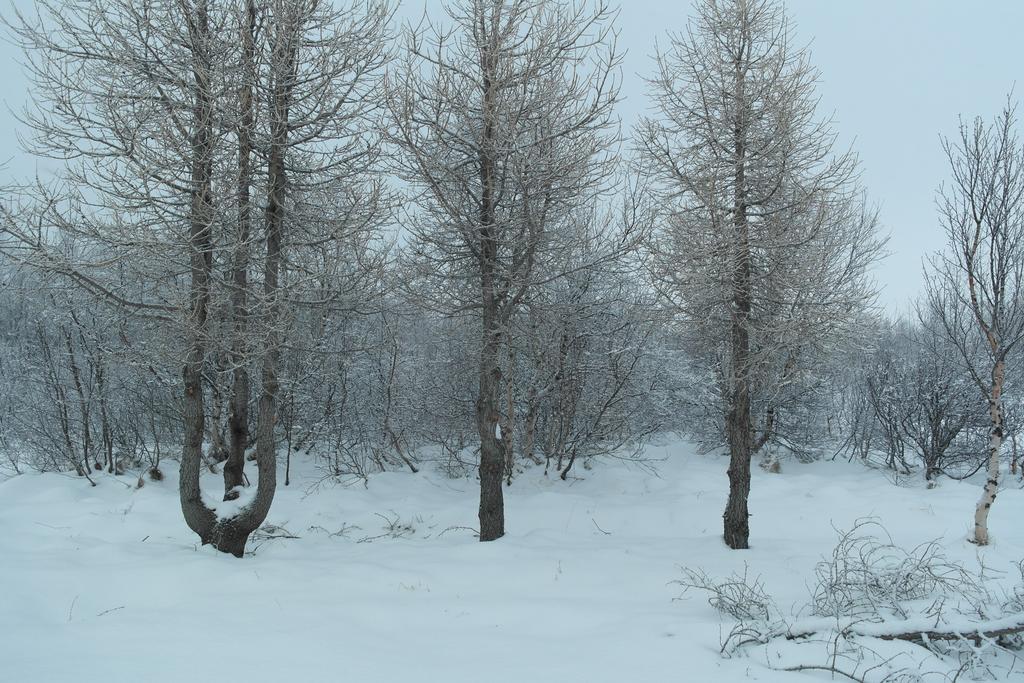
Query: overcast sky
[895,73]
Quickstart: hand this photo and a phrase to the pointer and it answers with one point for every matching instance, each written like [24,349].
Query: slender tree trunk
[509,414]
[218,451]
[106,433]
[83,403]
[492,459]
[198,517]
[238,421]
[995,443]
[738,420]
[1013,448]
[530,425]
[561,406]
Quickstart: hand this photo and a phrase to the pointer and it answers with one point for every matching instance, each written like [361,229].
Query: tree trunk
[198,517]
[530,425]
[995,443]
[83,403]
[218,451]
[738,419]
[1013,461]
[231,534]
[736,516]
[492,460]
[508,419]
[227,535]
[106,433]
[238,421]
[234,532]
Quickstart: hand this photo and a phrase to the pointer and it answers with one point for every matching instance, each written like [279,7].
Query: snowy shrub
[908,402]
[869,576]
[871,591]
[738,595]
[393,527]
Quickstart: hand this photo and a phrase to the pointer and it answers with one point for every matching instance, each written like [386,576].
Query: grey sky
[895,73]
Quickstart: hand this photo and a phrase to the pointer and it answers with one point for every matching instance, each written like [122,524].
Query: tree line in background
[287,227]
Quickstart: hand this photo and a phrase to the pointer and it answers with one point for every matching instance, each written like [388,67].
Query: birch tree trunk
[995,444]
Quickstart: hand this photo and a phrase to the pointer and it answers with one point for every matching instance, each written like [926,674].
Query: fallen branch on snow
[899,630]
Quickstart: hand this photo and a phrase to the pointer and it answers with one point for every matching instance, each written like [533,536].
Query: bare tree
[975,286]
[170,116]
[766,240]
[506,126]
[127,99]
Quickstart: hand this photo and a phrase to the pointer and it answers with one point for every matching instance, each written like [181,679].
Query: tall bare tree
[127,97]
[505,122]
[765,241]
[170,116]
[975,286]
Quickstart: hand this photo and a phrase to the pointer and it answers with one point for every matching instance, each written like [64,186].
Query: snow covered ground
[385,583]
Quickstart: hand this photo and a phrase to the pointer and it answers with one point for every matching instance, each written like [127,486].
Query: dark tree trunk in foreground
[492,457]
[739,423]
[492,453]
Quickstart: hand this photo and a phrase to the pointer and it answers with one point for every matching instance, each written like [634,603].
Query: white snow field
[108,584]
